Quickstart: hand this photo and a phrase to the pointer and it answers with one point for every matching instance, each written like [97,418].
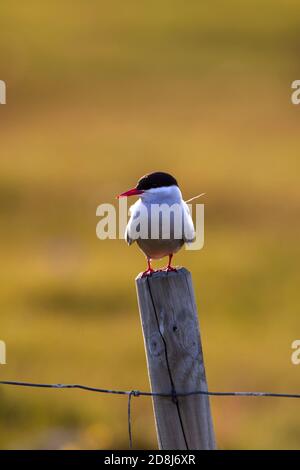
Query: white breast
[142,213]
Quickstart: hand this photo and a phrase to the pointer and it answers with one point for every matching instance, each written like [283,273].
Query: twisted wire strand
[138,393]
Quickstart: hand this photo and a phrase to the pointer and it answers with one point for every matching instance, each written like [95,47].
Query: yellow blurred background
[98,94]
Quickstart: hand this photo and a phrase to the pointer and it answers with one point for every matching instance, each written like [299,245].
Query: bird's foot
[170,269]
[148,272]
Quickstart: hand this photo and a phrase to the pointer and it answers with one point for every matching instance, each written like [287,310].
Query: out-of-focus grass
[99,94]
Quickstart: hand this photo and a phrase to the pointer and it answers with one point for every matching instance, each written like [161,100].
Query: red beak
[131,192]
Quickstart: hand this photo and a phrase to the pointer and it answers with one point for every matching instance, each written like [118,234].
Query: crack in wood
[174,396]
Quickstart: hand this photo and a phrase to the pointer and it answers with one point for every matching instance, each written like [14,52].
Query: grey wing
[188,225]
[128,232]
[127,235]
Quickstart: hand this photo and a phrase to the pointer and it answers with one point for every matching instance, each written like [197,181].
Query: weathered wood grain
[175,360]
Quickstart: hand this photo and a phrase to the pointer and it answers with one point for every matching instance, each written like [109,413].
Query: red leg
[169,267]
[149,270]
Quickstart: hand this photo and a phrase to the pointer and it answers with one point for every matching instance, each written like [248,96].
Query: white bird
[160,221]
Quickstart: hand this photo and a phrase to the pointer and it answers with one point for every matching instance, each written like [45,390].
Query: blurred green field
[99,94]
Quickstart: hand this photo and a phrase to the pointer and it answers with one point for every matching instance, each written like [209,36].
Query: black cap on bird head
[158,179]
[150,181]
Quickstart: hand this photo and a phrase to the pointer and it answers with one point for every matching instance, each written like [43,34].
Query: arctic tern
[160,203]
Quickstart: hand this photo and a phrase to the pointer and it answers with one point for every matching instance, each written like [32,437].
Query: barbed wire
[138,393]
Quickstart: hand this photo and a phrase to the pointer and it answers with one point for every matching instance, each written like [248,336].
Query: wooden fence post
[175,362]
